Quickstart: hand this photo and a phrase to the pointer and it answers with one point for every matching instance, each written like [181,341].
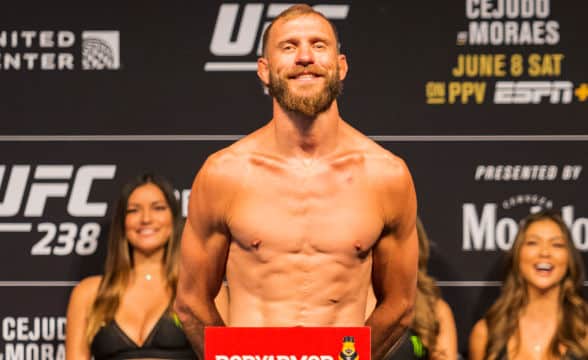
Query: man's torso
[301,238]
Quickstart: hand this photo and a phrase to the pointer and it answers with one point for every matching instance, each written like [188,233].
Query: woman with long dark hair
[126,313]
[540,313]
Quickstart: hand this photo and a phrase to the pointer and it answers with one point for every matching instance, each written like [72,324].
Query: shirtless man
[302,213]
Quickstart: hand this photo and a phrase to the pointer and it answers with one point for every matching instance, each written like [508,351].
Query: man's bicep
[395,259]
[395,263]
[203,256]
[396,253]
[205,237]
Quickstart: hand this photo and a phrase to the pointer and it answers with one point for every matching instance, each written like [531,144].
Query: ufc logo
[62,180]
[249,30]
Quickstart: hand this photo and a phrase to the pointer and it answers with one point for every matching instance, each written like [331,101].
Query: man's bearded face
[306,101]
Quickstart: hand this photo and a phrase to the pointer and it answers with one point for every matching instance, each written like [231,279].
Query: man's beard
[311,105]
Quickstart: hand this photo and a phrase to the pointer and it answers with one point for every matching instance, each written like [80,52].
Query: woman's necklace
[147,276]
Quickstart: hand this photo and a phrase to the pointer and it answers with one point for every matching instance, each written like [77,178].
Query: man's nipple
[255,243]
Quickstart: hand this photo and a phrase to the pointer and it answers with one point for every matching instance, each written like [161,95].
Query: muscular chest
[303,211]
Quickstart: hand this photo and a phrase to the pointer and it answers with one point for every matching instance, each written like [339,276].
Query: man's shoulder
[386,170]
[374,153]
[223,159]
[382,163]
[239,151]
[234,155]
[230,163]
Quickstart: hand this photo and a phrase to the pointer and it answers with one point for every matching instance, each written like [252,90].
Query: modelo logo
[56,181]
[486,232]
[250,28]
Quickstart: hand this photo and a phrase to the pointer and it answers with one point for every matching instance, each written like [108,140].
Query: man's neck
[300,136]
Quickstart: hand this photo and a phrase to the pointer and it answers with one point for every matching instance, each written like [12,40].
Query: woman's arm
[446,347]
[80,302]
[478,340]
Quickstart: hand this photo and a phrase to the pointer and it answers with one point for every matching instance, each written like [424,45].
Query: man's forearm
[193,325]
[194,331]
[387,328]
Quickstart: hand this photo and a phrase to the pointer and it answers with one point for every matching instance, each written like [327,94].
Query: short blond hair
[293,12]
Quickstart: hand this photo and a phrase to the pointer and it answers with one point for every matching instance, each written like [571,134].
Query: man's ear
[263,70]
[343,66]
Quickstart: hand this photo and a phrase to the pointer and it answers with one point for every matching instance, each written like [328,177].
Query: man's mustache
[310,69]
